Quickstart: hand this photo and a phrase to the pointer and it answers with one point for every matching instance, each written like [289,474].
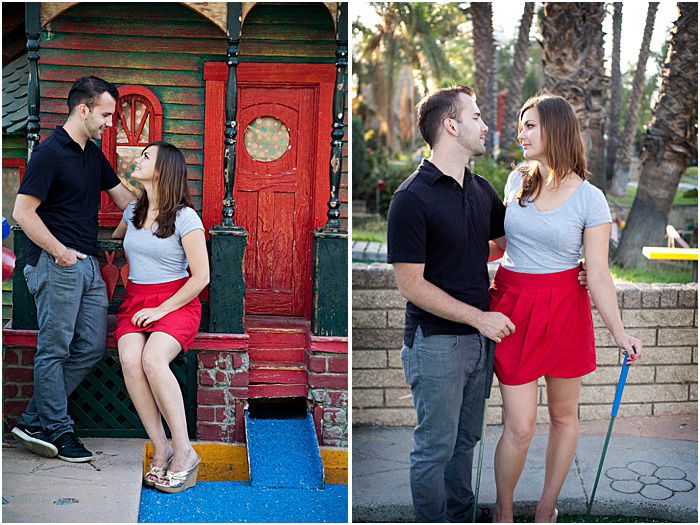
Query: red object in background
[8,263]
[380,184]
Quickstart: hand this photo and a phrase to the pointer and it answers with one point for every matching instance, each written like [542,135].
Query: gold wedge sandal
[156,473]
[179,481]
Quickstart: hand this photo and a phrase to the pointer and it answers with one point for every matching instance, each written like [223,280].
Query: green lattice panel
[101,407]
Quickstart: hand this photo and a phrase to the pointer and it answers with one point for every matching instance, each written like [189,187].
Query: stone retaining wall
[663,316]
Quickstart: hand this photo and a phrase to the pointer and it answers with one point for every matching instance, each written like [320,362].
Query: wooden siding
[286,32]
[14,145]
[135,43]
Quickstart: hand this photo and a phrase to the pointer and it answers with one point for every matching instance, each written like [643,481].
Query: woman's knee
[131,363]
[562,419]
[520,431]
[153,364]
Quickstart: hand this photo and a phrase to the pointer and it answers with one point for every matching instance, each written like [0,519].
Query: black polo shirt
[68,181]
[435,221]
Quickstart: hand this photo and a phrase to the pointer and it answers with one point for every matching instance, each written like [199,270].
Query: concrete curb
[404,513]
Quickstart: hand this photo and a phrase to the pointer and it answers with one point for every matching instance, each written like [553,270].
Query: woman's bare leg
[131,348]
[160,350]
[562,401]
[520,419]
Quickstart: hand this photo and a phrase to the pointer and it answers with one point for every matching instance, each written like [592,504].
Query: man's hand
[583,276]
[68,257]
[494,325]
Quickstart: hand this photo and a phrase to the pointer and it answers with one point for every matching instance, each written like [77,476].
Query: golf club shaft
[481,457]
[600,465]
[616,404]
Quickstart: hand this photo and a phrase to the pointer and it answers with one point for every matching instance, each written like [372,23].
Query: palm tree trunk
[669,143]
[615,89]
[482,32]
[509,129]
[626,144]
[572,35]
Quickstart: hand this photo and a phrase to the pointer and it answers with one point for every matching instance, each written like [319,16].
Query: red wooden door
[272,190]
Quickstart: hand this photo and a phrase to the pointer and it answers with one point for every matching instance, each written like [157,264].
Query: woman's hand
[147,316]
[631,345]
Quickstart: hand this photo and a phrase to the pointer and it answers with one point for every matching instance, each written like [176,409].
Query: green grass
[693,170]
[628,199]
[655,273]
[374,231]
[583,518]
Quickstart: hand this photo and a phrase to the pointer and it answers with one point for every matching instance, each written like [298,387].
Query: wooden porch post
[33,29]
[329,310]
[336,163]
[227,286]
[23,307]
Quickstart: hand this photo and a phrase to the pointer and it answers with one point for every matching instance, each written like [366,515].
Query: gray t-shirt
[549,241]
[153,260]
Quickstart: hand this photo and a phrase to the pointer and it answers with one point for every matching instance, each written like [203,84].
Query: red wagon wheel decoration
[138,120]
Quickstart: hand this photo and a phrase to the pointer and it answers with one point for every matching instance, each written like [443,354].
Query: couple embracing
[57,206]
[445,223]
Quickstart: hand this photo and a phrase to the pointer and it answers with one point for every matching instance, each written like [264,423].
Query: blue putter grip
[620,386]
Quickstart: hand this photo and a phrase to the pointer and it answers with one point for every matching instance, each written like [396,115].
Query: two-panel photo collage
[336,262]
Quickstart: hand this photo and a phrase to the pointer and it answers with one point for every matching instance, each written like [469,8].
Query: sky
[507,13]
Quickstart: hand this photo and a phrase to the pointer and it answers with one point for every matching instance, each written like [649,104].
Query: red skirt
[553,326]
[182,324]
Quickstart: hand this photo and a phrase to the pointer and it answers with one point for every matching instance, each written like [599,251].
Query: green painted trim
[227,284]
[23,307]
[329,310]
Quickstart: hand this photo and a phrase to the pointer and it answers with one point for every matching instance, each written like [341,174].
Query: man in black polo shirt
[440,222]
[56,206]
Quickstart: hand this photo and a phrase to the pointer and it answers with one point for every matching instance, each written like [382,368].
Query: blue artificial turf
[229,501]
[283,453]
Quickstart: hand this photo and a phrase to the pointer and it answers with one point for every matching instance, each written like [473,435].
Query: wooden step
[282,372]
[276,365]
[277,375]
[276,340]
[276,390]
[276,354]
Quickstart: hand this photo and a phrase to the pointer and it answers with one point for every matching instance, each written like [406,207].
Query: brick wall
[663,316]
[328,389]
[222,382]
[222,390]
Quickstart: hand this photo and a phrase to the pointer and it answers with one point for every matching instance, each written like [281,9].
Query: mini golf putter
[613,415]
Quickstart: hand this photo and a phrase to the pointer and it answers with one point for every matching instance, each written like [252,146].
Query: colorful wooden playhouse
[255,96]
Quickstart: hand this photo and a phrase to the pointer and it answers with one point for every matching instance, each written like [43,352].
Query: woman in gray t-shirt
[552,213]
[160,313]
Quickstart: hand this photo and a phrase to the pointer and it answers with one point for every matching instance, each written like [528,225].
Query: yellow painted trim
[225,462]
[676,254]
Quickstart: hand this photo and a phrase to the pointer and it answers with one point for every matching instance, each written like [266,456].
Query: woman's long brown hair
[562,142]
[170,182]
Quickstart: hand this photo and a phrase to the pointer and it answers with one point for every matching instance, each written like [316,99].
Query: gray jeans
[71,304]
[448,375]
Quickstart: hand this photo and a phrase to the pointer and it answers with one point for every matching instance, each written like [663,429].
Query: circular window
[266,139]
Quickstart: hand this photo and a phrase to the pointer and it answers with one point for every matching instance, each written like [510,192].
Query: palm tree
[508,141]
[406,40]
[669,143]
[379,56]
[615,92]
[484,52]
[572,35]
[626,144]
[423,25]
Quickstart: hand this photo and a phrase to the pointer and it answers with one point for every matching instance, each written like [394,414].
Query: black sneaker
[71,449]
[35,440]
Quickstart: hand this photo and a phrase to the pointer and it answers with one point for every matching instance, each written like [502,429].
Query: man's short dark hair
[87,90]
[435,107]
